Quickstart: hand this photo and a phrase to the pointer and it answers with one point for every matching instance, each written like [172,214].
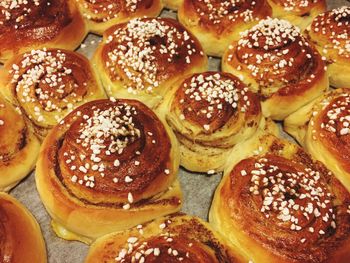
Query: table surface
[198,189]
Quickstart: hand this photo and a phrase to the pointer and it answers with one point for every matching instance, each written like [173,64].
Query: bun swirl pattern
[142,58]
[33,24]
[177,237]
[279,64]
[49,83]
[280,205]
[111,161]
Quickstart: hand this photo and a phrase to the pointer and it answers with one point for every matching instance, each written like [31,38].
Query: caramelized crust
[280,64]
[48,84]
[25,25]
[217,23]
[108,159]
[171,239]
[330,32]
[101,14]
[19,147]
[282,206]
[20,235]
[142,58]
[210,112]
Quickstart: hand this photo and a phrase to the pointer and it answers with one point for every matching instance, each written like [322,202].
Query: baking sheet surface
[198,189]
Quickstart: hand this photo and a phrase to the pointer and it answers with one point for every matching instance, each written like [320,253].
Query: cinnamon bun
[140,59]
[279,205]
[47,84]
[175,238]
[277,62]
[109,165]
[210,113]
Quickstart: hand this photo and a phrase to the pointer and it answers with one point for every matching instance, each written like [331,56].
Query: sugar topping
[94,9]
[40,77]
[140,46]
[296,197]
[218,11]
[335,24]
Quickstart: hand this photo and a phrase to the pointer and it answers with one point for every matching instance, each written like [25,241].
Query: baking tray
[198,189]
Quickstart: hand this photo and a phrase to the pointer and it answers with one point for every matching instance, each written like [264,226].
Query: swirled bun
[322,127]
[217,24]
[278,204]
[175,238]
[277,62]
[47,84]
[330,32]
[140,59]
[210,113]
[299,12]
[19,148]
[21,240]
[102,14]
[108,166]
[34,24]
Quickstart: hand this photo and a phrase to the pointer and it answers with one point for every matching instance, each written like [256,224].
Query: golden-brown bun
[210,113]
[102,14]
[299,12]
[21,240]
[322,127]
[216,24]
[142,58]
[279,205]
[27,25]
[330,32]
[277,62]
[47,84]
[108,166]
[175,238]
[172,4]
[19,148]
